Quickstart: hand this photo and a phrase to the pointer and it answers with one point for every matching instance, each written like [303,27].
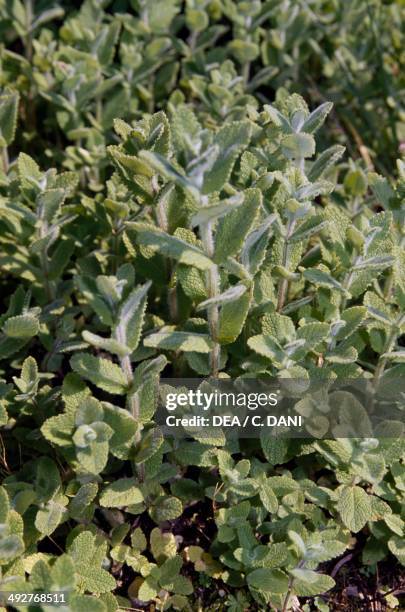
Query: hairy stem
[161,214]
[248,38]
[29,51]
[49,288]
[127,368]
[246,73]
[50,294]
[4,159]
[288,594]
[29,13]
[213,291]
[134,408]
[348,281]
[163,223]
[192,40]
[99,109]
[115,250]
[283,286]
[382,362]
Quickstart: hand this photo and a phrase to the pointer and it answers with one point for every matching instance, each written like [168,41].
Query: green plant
[198,218]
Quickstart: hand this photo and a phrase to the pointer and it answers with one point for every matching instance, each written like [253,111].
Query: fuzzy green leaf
[123,492]
[206,214]
[268,580]
[49,517]
[87,555]
[172,340]
[22,326]
[161,165]
[231,139]
[8,117]
[354,507]
[101,372]
[317,118]
[233,229]
[130,318]
[297,146]
[171,246]
[232,318]
[323,279]
[166,508]
[308,582]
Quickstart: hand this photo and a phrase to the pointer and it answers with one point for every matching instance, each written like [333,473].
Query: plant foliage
[176,200]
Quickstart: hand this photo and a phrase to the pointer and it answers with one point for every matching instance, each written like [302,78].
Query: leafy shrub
[169,208]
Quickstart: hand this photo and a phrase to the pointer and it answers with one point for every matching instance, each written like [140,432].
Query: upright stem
[127,368]
[161,214]
[99,109]
[246,73]
[49,289]
[346,285]
[82,172]
[288,594]
[192,40]
[248,38]
[115,250]
[291,581]
[29,51]
[213,291]
[382,362]
[283,287]
[133,399]
[161,217]
[29,13]
[347,282]
[4,159]
[389,285]
[134,408]
[45,270]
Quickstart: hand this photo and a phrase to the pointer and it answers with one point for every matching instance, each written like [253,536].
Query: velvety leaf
[123,492]
[317,118]
[354,507]
[309,582]
[101,372]
[297,146]
[8,117]
[173,340]
[171,246]
[166,508]
[130,318]
[87,557]
[268,580]
[233,228]
[231,139]
[232,318]
[22,326]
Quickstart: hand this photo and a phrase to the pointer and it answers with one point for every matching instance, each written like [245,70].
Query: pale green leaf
[354,507]
[268,580]
[122,492]
[298,146]
[21,326]
[233,229]
[172,340]
[171,246]
[8,117]
[101,372]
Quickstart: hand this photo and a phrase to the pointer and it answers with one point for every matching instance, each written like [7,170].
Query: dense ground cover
[179,197]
